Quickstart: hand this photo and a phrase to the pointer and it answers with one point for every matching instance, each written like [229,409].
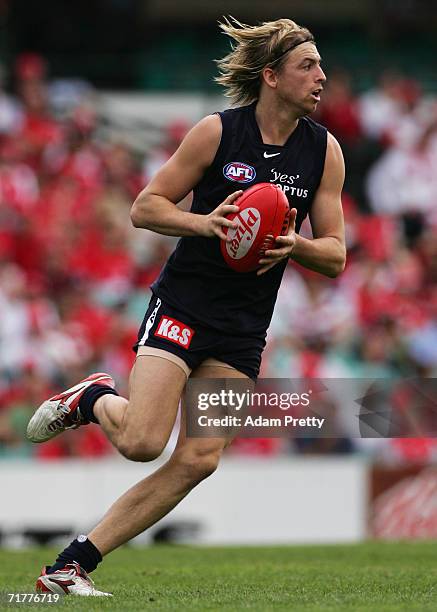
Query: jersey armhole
[224,142]
[323,156]
[324,146]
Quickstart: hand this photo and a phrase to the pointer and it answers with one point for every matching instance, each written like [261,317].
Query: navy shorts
[167,328]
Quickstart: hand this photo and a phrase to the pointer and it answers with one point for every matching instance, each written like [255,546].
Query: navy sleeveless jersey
[196,279]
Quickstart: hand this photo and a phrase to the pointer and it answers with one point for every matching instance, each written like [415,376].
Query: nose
[321,78]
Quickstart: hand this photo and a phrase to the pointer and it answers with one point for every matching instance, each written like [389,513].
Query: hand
[286,246]
[213,223]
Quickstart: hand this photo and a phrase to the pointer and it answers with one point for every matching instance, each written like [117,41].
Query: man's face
[300,79]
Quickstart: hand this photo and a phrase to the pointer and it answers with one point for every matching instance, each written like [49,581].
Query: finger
[227,223]
[285,242]
[292,220]
[233,196]
[265,268]
[220,222]
[271,260]
[283,252]
[227,209]
[218,232]
[290,240]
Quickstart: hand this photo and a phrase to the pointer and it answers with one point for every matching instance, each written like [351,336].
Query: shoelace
[79,571]
[74,572]
[58,423]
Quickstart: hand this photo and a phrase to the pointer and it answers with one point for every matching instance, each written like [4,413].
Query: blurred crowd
[75,275]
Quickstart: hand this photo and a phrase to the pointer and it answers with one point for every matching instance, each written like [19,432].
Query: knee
[140,450]
[197,464]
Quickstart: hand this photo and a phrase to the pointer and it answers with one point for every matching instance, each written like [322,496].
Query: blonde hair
[258,46]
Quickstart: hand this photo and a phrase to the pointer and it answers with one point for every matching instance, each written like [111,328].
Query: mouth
[315,94]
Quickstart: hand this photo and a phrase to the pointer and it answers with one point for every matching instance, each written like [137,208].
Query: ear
[270,77]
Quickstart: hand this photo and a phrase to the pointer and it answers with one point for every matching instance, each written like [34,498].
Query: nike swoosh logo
[267,155]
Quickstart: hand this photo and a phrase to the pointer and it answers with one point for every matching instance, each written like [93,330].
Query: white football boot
[70,580]
[61,411]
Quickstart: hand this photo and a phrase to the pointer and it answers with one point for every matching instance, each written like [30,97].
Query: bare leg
[152,498]
[109,410]
[139,427]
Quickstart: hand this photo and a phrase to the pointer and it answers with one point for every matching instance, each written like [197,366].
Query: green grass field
[371,577]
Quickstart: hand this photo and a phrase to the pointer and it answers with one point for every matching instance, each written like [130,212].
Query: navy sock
[80,550]
[89,398]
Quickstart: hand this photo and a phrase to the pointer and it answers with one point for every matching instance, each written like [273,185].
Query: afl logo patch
[239,172]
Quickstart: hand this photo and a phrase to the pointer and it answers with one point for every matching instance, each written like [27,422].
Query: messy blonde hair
[258,46]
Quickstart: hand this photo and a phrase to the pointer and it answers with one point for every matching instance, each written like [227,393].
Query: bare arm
[326,252]
[155,208]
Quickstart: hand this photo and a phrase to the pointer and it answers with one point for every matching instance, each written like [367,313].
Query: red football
[264,212]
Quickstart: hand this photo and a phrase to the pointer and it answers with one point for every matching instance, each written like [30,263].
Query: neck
[275,122]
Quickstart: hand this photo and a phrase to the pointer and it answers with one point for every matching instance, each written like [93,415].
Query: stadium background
[94,97]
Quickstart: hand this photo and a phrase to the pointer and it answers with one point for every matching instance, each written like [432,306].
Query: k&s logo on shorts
[239,172]
[175,331]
